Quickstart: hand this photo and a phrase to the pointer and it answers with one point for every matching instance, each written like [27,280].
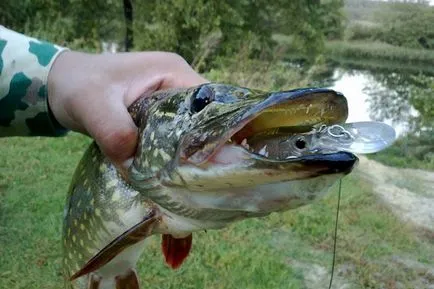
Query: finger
[182,76]
[188,79]
[110,124]
[141,86]
[145,86]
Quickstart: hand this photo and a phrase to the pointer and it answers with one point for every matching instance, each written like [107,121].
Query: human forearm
[88,93]
[24,67]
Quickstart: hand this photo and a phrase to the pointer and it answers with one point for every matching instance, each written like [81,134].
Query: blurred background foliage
[182,26]
[266,44]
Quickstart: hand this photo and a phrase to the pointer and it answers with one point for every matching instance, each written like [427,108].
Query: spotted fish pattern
[100,207]
[24,66]
[110,213]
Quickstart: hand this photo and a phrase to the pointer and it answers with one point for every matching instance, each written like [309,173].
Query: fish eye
[201,98]
[300,143]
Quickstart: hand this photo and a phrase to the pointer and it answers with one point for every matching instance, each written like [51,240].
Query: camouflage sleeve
[24,66]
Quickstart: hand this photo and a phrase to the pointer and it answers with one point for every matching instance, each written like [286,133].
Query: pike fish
[207,156]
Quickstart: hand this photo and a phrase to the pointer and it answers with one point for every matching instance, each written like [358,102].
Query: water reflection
[379,96]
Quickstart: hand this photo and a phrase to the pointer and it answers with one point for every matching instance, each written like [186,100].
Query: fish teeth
[263,151]
[244,144]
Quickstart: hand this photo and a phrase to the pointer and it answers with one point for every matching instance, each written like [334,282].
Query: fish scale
[191,173]
[99,211]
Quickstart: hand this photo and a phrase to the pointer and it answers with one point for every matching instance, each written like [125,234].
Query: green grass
[408,152]
[391,158]
[366,54]
[378,54]
[256,253]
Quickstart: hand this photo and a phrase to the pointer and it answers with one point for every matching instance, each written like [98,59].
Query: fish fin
[130,237]
[176,250]
[128,281]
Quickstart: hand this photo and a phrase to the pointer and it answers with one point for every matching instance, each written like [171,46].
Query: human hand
[90,93]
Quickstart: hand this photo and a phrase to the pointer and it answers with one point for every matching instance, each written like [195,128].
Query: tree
[407,24]
[402,94]
[128,14]
[223,27]
[184,25]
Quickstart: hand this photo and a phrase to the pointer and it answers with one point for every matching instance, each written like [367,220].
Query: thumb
[113,130]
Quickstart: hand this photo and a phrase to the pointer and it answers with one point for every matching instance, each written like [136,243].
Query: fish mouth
[272,131]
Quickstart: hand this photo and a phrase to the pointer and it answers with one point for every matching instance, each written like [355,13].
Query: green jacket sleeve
[24,66]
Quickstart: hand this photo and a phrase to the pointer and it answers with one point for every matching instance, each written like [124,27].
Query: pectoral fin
[130,237]
[176,250]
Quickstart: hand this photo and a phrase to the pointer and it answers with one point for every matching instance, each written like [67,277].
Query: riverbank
[366,55]
[379,55]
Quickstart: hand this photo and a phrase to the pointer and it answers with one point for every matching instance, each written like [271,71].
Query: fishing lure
[358,137]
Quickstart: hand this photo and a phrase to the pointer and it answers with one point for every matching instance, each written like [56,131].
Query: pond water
[377,95]
[354,86]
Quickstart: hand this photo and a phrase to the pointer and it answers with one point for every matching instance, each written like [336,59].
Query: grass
[256,253]
[367,54]
[371,52]
[408,152]
[391,158]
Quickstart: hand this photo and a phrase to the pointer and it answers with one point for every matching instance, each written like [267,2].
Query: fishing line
[336,234]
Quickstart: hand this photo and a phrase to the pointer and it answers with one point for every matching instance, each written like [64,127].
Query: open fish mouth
[273,129]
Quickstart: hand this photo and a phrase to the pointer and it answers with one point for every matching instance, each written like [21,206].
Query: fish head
[224,147]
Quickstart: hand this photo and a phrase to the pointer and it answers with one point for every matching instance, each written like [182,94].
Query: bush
[410,151]
[378,50]
[407,25]
[186,27]
[362,31]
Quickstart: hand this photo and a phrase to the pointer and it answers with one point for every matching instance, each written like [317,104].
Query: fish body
[207,156]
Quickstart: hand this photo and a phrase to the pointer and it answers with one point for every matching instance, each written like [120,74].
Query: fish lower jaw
[180,226]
